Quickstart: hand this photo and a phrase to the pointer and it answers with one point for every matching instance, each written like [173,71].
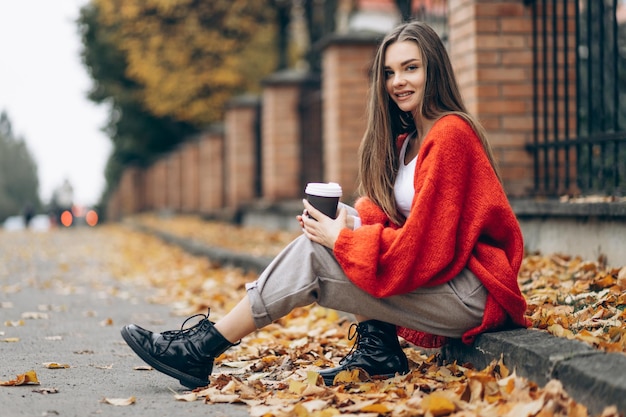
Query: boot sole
[188,381]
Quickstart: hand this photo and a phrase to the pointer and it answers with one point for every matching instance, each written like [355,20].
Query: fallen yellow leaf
[54,365]
[119,401]
[438,405]
[297,387]
[28,378]
[312,390]
[314,378]
[190,397]
[34,315]
[46,390]
[348,376]
[376,408]
[107,322]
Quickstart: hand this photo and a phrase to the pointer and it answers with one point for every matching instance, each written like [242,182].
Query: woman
[432,251]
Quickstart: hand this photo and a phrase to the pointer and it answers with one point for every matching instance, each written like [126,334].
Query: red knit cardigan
[460,217]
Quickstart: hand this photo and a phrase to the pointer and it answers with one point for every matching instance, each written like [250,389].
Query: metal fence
[435,13]
[579,55]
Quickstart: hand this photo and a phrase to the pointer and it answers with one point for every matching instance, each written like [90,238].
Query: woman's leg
[306,273]
[302,274]
[238,322]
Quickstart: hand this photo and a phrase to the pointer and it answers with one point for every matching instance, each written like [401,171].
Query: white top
[403,188]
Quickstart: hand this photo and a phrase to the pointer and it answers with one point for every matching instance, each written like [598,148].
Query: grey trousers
[306,272]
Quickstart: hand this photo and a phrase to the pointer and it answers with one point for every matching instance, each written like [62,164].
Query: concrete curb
[594,378]
[221,256]
[591,377]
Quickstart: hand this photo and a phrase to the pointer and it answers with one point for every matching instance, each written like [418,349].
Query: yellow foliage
[350,376]
[314,378]
[192,57]
[296,387]
[438,404]
[376,408]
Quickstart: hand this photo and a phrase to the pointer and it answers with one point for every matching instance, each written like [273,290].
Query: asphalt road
[58,298]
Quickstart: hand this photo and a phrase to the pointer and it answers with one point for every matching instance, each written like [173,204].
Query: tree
[138,136]
[167,68]
[191,56]
[320,22]
[19,185]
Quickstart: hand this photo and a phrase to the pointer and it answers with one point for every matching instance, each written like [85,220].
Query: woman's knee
[304,248]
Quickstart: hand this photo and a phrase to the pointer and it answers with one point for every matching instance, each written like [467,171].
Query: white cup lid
[323,189]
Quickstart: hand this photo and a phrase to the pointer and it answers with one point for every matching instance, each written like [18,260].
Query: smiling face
[405,75]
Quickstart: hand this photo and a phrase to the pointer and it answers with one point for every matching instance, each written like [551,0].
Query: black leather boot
[185,354]
[376,351]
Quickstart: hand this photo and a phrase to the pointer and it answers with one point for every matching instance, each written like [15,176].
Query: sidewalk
[593,378]
[63,307]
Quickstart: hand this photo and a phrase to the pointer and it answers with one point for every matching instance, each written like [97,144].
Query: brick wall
[490,48]
[242,159]
[156,185]
[173,181]
[345,65]
[190,177]
[211,165]
[129,198]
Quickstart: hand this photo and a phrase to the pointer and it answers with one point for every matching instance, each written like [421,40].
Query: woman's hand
[324,230]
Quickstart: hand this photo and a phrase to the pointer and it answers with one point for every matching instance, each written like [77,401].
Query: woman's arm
[458,200]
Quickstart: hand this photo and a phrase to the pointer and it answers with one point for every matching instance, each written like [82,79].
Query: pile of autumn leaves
[273,370]
[576,299]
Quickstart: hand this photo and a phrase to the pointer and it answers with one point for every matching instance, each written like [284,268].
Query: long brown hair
[378,152]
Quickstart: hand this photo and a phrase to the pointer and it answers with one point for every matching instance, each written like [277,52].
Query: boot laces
[353,332]
[172,335]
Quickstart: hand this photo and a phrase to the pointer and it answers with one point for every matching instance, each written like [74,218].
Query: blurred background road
[59,303]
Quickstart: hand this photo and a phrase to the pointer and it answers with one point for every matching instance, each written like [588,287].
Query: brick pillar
[124,193]
[211,173]
[346,61]
[130,191]
[149,202]
[283,159]
[242,151]
[113,207]
[173,184]
[491,51]
[158,184]
[190,176]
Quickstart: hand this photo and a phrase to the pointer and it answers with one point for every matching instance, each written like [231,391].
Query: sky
[43,89]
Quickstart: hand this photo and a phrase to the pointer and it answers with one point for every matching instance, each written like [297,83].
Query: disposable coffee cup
[324,197]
